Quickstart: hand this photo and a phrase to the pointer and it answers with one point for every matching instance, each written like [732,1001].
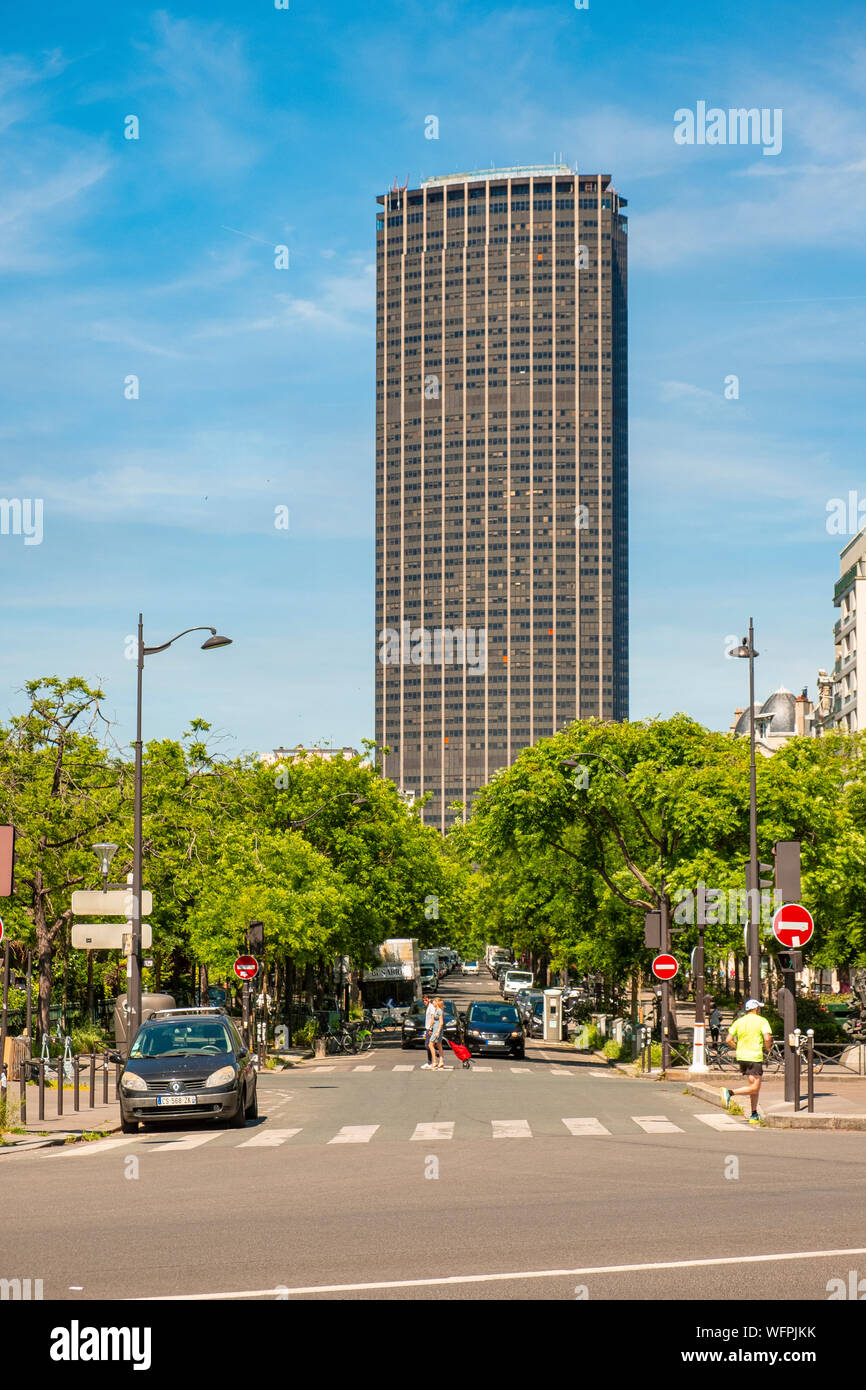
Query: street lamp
[747,652]
[105,852]
[133,965]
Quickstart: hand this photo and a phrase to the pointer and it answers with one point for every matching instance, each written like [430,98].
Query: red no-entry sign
[1,928]
[246,967]
[793,925]
[665,967]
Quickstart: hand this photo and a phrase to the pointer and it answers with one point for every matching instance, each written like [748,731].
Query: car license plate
[176,1100]
[494,1042]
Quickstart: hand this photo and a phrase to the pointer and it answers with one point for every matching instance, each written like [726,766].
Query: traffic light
[787,870]
[790,960]
[256,938]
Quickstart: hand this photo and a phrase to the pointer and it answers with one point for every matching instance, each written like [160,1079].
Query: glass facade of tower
[501,471]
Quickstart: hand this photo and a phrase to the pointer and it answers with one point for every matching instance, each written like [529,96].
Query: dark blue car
[490,1028]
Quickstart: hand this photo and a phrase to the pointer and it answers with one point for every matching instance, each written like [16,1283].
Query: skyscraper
[501,470]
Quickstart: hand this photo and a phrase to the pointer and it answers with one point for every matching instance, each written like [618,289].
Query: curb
[56,1141]
[792,1121]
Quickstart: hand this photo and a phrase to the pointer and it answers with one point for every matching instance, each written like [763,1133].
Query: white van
[515,980]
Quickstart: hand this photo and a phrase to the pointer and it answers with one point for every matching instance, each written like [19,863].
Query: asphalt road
[547,1179]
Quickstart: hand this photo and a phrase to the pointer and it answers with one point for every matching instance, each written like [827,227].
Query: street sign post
[246,967]
[665,967]
[793,926]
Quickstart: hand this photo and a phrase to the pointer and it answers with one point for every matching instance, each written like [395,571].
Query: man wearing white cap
[752,1035]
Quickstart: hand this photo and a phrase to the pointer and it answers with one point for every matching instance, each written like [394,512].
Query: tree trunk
[203,986]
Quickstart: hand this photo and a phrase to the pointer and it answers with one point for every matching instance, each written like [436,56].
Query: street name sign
[7,860]
[793,925]
[665,967]
[107,936]
[246,967]
[117,902]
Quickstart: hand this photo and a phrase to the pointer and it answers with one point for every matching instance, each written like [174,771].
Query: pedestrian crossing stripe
[430,1131]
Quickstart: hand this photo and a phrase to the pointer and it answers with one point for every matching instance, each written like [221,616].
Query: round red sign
[665,967]
[793,925]
[246,967]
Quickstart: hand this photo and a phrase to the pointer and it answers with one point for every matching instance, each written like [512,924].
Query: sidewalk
[842,1107]
[56,1129]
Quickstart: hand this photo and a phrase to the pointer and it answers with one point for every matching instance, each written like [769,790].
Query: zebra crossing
[426,1131]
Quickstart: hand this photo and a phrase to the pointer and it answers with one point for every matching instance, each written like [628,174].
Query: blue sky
[259,127]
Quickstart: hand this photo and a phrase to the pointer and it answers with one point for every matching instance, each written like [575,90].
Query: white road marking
[318,1069]
[436,1129]
[100,1145]
[511,1129]
[404,1067]
[354,1134]
[589,1125]
[474,1068]
[269,1139]
[363,1069]
[190,1141]
[520,1069]
[656,1124]
[454,1279]
[719,1120]
[561,1071]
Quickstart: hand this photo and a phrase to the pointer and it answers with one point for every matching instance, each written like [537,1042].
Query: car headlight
[407,1023]
[473,1033]
[516,1033]
[131,1081]
[224,1077]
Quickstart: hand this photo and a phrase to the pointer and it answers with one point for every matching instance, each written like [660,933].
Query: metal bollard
[92,1079]
[795,1043]
[105,1078]
[41,1065]
[75,1081]
[60,1086]
[810,1070]
[22,1092]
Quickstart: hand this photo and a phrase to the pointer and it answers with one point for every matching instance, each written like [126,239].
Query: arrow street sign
[117,902]
[106,936]
[246,967]
[665,967]
[793,925]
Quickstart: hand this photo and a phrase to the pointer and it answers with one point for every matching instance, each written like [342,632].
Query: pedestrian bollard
[794,1040]
[75,1079]
[41,1065]
[810,1070]
[4,1085]
[105,1078]
[60,1088]
[92,1079]
[22,1091]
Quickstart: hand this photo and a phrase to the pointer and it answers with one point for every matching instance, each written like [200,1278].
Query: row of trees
[563,854]
[219,850]
[589,830]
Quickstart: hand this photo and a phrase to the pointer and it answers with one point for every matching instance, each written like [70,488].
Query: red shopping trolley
[461,1053]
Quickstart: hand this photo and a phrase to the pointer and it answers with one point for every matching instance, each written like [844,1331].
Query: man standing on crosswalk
[752,1034]
[428,1031]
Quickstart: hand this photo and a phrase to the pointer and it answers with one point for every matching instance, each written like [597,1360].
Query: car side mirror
[114,1056]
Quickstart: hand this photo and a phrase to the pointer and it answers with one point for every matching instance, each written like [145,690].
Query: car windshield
[493,1013]
[176,1039]
[516,979]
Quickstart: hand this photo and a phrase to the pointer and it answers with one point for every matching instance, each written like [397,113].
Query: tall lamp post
[133,965]
[747,652]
